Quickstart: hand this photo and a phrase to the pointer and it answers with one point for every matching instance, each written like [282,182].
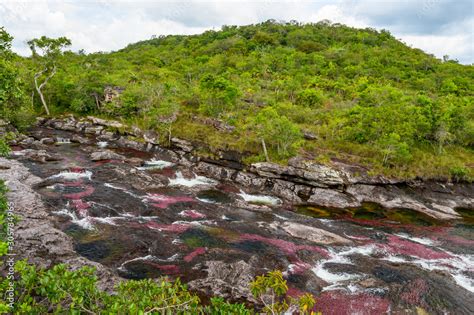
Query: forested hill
[326,91]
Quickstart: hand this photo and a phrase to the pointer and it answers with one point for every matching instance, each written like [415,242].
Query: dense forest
[326,91]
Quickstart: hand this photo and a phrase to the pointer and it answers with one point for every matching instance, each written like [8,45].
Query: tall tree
[46,51]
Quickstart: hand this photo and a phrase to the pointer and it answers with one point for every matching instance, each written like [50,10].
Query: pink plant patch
[163,201]
[287,247]
[88,190]
[299,267]
[76,169]
[339,303]
[193,214]
[198,251]
[81,207]
[413,293]
[400,246]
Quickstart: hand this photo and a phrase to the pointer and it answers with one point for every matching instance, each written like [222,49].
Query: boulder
[106,155]
[332,198]
[47,141]
[108,136]
[182,145]
[78,139]
[40,156]
[227,280]
[151,136]
[94,130]
[131,144]
[104,122]
[301,171]
[312,234]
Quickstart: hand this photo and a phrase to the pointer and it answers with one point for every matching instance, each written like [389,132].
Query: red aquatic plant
[198,251]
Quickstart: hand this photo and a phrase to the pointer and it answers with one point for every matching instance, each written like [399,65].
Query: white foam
[106,220]
[102,144]
[465,282]
[147,257]
[333,278]
[122,189]
[421,240]
[72,175]
[205,200]
[85,222]
[63,140]
[269,200]
[196,181]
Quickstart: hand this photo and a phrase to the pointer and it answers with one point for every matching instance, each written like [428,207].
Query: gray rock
[36,238]
[131,144]
[152,137]
[47,141]
[94,130]
[312,234]
[107,123]
[40,156]
[227,280]
[108,136]
[183,145]
[106,155]
[301,171]
[78,139]
[332,198]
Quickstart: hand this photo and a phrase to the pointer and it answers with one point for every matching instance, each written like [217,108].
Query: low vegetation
[360,94]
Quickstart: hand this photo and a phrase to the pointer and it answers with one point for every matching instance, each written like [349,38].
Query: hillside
[329,92]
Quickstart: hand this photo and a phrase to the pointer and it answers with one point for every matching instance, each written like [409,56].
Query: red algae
[400,246]
[287,247]
[88,190]
[81,207]
[340,303]
[198,251]
[413,293]
[193,214]
[163,201]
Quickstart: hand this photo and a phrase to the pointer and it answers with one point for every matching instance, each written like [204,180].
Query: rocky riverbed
[91,192]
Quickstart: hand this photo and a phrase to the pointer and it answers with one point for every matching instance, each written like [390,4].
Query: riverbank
[302,181]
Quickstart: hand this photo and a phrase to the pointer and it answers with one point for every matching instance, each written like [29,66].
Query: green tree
[46,52]
[218,93]
[276,130]
[11,93]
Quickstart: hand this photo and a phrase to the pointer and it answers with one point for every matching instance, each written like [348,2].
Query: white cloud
[111,25]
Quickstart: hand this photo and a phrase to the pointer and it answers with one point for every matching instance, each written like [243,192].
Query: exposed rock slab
[312,234]
[36,238]
[106,155]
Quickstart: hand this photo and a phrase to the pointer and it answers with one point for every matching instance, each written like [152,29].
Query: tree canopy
[365,96]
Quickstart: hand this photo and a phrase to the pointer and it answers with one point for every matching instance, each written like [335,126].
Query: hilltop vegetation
[326,91]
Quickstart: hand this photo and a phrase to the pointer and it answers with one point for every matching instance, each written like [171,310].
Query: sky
[439,27]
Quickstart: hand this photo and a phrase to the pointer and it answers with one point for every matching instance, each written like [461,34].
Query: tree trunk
[39,87]
[96,97]
[265,150]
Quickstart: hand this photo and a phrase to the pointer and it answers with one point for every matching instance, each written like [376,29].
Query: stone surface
[313,234]
[36,238]
[228,280]
[106,155]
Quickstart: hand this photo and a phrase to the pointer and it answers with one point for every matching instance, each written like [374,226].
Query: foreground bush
[62,291]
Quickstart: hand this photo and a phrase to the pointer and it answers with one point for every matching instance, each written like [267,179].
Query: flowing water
[160,219]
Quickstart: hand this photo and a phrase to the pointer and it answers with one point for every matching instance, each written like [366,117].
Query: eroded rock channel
[360,245]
